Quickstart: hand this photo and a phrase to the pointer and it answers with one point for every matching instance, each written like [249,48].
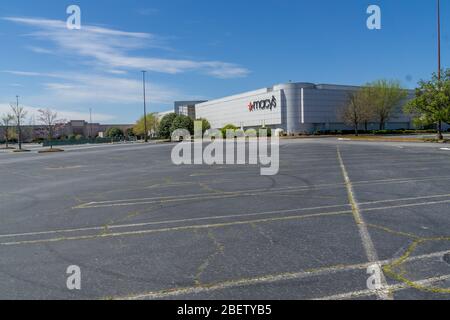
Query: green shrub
[114,133]
[269,132]
[228,127]
[130,133]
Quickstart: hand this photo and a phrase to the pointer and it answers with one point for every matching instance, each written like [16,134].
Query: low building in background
[91,130]
[185,108]
[72,128]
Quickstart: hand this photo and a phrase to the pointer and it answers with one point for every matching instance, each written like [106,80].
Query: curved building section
[294,108]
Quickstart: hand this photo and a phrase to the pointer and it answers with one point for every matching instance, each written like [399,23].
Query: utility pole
[19,129]
[90,123]
[145,108]
[439,59]
[33,126]
[439,37]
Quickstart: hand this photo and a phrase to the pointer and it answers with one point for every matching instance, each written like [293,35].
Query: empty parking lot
[141,228]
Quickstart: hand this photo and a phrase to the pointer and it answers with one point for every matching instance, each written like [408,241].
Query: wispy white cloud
[40,50]
[27,73]
[79,88]
[111,49]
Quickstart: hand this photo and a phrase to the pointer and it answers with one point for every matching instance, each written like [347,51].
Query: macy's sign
[268,104]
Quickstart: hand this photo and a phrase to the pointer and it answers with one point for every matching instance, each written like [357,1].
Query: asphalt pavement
[140,227]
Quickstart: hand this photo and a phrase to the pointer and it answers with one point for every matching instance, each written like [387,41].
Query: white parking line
[362,227]
[174,292]
[190,227]
[392,288]
[244,215]
[225,194]
[124,226]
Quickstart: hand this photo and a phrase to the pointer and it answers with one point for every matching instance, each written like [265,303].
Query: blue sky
[202,49]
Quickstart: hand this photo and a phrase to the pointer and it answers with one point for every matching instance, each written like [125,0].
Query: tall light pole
[19,129]
[145,108]
[439,125]
[439,37]
[90,123]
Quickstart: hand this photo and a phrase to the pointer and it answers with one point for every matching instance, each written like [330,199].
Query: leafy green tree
[432,102]
[114,133]
[182,122]
[165,126]
[152,125]
[387,95]
[367,95]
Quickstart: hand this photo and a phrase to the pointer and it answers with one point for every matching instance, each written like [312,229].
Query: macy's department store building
[292,107]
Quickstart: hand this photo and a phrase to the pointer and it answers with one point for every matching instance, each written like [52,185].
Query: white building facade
[292,107]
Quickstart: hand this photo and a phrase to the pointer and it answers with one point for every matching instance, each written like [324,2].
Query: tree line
[164,127]
[380,100]
[374,102]
[13,121]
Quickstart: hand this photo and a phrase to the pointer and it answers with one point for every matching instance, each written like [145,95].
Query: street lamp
[145,108]
[90,123]
[439,59]
[19,129]
[439,37]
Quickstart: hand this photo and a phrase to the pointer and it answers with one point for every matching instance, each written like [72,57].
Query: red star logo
[250,107]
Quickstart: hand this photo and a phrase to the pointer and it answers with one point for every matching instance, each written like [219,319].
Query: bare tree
[19,115]
[6,121]
[358,110]
[51,123]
